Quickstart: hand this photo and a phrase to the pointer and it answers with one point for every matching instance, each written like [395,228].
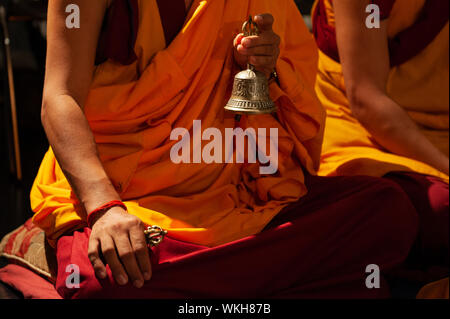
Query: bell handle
[250,27]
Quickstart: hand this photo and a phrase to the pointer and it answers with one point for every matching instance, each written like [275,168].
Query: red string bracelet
[103,208]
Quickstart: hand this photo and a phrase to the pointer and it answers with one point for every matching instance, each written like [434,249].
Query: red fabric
[317,248]
[10,244]
[416,38]
[404,46]
[27,241]
[430,197]
[31,285]
[324,33]
[27,227]
[173,14]
[119,33]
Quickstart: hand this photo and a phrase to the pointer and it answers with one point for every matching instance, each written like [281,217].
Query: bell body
[250,94]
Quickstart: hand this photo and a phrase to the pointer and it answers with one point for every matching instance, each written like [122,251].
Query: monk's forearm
[74,147]
[393,129]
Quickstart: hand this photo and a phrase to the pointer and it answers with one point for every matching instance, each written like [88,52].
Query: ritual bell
[251,88]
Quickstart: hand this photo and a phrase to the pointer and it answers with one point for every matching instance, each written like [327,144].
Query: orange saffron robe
[419,85]
[132,110]
[435,290]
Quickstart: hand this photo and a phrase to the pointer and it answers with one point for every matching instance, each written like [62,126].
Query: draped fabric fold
[132,110]
[406,39]
[118,34]
[418,84]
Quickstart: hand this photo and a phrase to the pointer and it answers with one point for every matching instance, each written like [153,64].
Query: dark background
[28,55]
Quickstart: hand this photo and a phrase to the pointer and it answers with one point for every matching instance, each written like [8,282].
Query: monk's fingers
[267,50]
[262,61]
[266,38]
[94,258]
[238,39]
[139,244]
[264,21]
[128,259]
[110,254]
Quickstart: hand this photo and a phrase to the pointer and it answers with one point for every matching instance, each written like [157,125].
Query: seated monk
[385,90]
[114,91]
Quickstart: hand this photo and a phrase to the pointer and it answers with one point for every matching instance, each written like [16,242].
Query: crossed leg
[318,247]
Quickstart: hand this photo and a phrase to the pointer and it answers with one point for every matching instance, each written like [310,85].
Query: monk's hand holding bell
[120,237]
[261,50]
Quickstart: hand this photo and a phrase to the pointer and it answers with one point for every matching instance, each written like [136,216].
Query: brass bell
[251,87]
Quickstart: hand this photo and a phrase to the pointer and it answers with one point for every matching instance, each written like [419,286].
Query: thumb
[264,21]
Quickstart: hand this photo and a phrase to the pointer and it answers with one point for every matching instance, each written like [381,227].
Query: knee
[439,199]
[400,221]
[76,277]
[75,282]
[85,285]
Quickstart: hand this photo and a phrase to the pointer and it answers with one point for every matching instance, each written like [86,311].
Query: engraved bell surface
[250,94]
[251,88]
